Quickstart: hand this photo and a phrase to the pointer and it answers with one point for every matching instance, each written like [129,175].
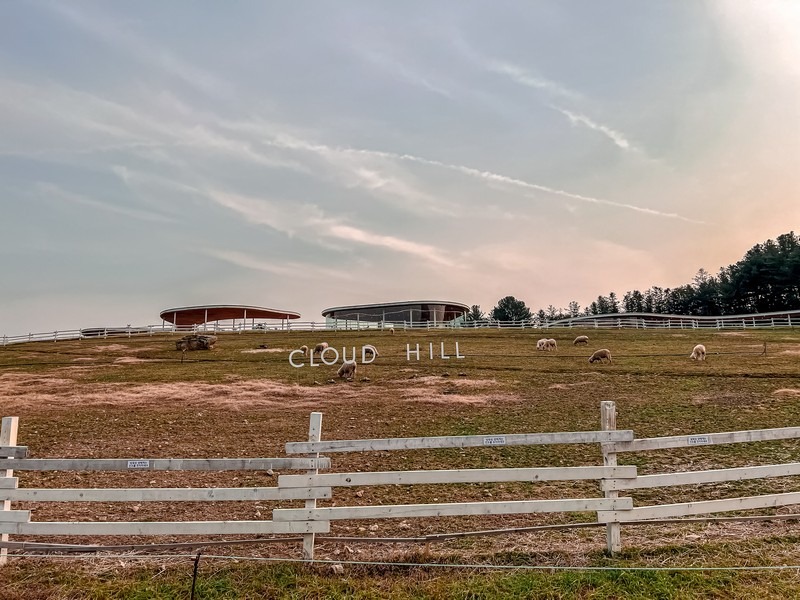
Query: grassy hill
[138,396]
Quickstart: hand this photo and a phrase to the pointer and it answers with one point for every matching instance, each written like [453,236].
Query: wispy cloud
[476,173]
[147,51]
[579,119]
[288,269]
[528,79]
[278,215]
[401,71]
[48,190]
[425,251]
[310,223]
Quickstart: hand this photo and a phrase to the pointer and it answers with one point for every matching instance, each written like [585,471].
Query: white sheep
[698,353]
[347,370]
[601,355]
[304,350]
[551,344]
[581,339]
[320,347]
[541,344]
[389,327]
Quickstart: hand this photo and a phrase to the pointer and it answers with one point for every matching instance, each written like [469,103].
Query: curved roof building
[196,315]
[410,311]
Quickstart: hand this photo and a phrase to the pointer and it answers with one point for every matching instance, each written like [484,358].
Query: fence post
[314,434]
[8,437]
[608,422]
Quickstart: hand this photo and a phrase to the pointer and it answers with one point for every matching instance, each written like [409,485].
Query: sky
[304,155]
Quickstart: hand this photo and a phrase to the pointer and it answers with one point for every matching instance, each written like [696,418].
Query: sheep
[698,353]
[581,339]
[347,370]
[389,327]
[370,348]
[541,344]
[600,355]
[319,348]
[304,350]
[551,345]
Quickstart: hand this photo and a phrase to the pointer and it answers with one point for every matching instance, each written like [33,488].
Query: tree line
[766,279]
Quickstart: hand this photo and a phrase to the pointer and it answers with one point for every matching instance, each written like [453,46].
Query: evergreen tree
[511,309]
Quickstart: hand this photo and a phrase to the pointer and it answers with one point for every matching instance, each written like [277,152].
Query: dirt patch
[792,352]
[129,360]
[27,392]
[121,348]
[735,334]
[461,383]
[110,348]
[787,392]
[260,350]
[566,386]
[444,396]
[84,359]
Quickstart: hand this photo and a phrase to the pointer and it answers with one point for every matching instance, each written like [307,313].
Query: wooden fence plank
[608,422]
[455,509]
[699,508]
[163,464]
[162,494]
[14,516]
[699,477]
[13,451]
[456,476]
[461,441]
[9,427]
[164,528]
[707,439]
[314,435]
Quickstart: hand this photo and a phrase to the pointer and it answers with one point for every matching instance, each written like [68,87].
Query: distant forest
[766,279]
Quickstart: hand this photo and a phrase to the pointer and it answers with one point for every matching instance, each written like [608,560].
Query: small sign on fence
[699,440]
[138,464]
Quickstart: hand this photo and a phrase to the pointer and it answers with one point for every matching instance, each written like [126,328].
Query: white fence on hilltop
[613,510]
[789,319]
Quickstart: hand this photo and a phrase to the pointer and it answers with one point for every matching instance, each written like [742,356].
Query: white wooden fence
[782,319]
[612,509]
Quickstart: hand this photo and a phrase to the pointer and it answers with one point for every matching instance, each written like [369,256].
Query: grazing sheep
[369,348]
[347,370]
[698,353]
[601,355]
[304,350]
[541,344]
[551,344]
[390,328]
[581,339]
[319,348]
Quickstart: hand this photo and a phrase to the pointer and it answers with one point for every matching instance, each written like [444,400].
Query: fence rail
[612,510]
[789,319]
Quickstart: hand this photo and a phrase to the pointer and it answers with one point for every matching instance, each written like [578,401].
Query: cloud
[310,223]
[527,79]
[613,135]
[285,269]
[402,72]
[49,190]
[147,51]
[325,150]
[429,253]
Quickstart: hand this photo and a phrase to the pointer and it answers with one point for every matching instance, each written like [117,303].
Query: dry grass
[134,397]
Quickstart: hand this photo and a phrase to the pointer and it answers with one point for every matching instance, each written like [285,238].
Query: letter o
[335,359]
